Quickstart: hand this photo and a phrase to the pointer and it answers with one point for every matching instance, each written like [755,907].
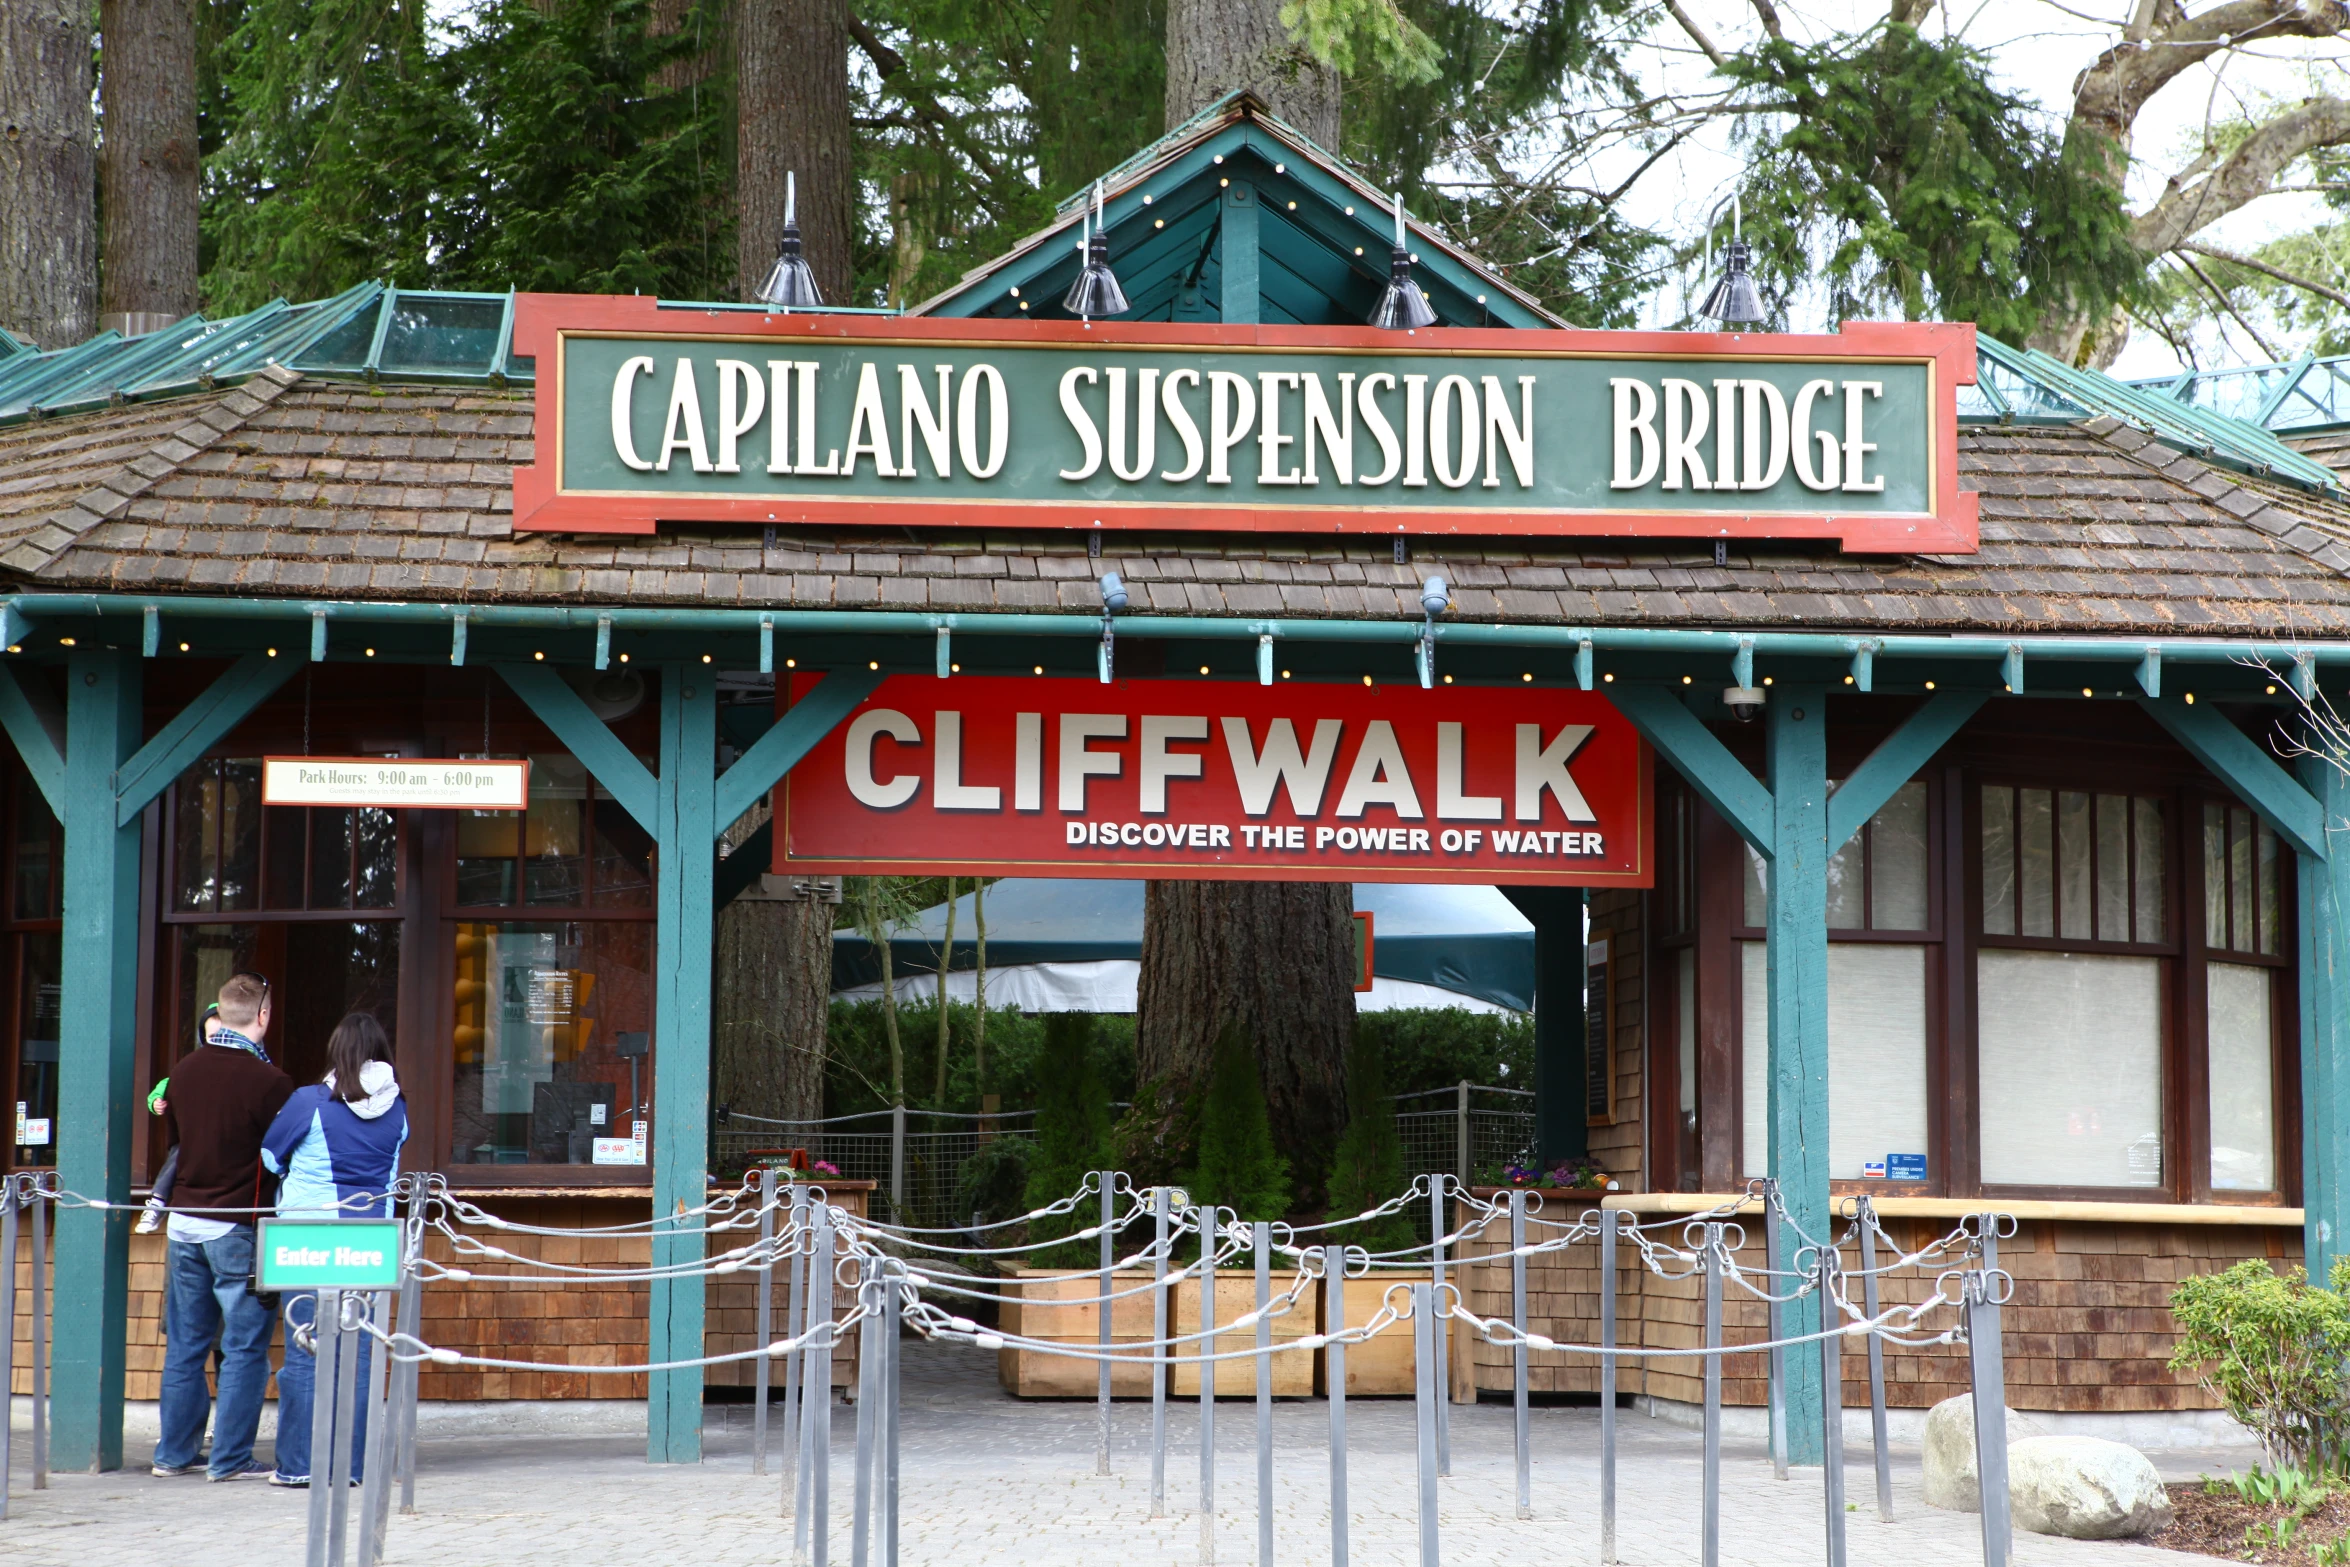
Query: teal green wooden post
[1798,1089]
[2324,887]
[685,807]
[1237,265]
[97,1042]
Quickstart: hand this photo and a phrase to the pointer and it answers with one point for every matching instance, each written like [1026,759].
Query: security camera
[1113,593]
[1744,702]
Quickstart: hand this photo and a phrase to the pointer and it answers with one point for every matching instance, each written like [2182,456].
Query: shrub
[1419,1050]
[1238,1167]
[1368,1168]
[2270,1347]
[993,1182]
[1072,1132]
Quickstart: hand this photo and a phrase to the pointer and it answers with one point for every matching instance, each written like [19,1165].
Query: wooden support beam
[198,727]
[684,929]
[1896,761]
[1797,1096]
[791,737]
[28,711]
[552,702]
[97,1049]
[1657,712]
[2247,769]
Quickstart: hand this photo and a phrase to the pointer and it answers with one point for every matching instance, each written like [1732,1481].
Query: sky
[2038,48]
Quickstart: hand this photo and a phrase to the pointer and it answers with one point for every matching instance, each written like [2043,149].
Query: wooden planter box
[1236,1295]
[1386,1366]
[1034,1374]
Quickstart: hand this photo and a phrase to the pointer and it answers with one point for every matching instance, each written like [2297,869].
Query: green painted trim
[2322,972]
[684,928]
[788,739]
[199,726]
[1712,771]
[97,1051]
[1896,761]
[552,701]
[38,732]
[1241,302]
[1796,736]
[2246,769]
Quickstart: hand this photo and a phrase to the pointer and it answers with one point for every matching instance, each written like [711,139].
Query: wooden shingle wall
[1616,917]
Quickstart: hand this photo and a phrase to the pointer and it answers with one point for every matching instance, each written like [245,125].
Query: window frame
[17,931]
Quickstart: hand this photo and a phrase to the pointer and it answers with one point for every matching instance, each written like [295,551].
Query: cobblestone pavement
[989,1482]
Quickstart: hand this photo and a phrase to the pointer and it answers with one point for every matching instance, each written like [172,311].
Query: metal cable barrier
[895,1276]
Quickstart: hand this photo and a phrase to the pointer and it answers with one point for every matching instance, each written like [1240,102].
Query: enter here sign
[345,1254]
[985,775]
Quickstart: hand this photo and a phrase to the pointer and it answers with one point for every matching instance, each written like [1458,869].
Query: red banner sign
[1225,781]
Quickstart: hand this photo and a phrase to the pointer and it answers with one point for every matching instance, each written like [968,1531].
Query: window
[234,855]
[30,955]
[2075,866]
[553,1024]
[2243,903]
[575,846]
[2242,1035]
[1876,881]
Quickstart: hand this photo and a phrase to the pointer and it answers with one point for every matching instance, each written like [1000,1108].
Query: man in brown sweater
[223,1096]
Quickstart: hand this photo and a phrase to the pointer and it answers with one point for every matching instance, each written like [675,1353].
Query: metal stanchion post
[897,1160]
[1261,1240]
[1866,1213]
[411,1322]
[346,1402]
[1159,1352]
[326,1307]
[1429,1385]
[1443,1339]
[1710,1550]
[1334,1364]
[39,1214]
[1831,1406]
[1608,1220]
[868,1370]
[811,1525]
[1206,1219]
[1101,1443]
[1518,1369]
[1985,1290]
[1774,1252]
[8,1207]
[892,1352]
[765,1317]
[795,1322]
[382,1439]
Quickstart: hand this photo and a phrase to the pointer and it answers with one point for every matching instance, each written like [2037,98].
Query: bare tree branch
[2251,264]
[890,66]
[2244,175]
[1697,33]
[1770,18]
[2109,93]
[2228,305]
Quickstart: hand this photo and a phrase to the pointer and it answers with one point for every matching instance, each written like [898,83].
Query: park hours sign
[647,414]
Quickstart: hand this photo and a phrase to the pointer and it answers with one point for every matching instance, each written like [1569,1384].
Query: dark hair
[357,1040]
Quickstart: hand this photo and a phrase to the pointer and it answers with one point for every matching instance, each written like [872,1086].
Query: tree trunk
[771,990]
[149,161]
[946,962]
[48,173]
[792,85]
[1217,46]
[1279,958]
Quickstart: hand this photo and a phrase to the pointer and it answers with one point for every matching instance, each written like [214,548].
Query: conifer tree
[1072,1132]
[1369,1165]
[1238,1166]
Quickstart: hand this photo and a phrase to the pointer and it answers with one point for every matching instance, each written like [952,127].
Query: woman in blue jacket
[335,1148]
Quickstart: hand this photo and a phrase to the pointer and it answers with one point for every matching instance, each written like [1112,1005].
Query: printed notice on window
[464,783]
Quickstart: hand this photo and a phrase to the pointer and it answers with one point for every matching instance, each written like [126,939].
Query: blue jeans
[210,1298]
[297,1383]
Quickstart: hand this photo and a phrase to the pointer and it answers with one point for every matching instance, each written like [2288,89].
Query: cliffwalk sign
[648,414]
[986,775]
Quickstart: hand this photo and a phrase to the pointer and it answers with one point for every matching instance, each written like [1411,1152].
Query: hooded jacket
[329,1151]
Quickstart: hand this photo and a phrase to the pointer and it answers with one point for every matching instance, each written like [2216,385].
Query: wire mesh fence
[1464,1131]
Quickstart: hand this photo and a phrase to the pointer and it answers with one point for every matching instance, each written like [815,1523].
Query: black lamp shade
[1401,307]
[1096,291]
[1735,301]
[791,285]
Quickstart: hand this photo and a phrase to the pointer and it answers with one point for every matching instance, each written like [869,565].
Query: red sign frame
[1046,776]
[540,504]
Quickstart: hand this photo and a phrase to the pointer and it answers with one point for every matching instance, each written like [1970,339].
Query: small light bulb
[1848,680]
[1024,304]
[2085,691]
[705,658]
[873,664]
[624,658]
[1448,680]
[1015,291]
[789,663]
[370,651]
[538,658]
[273,652]
[14,648]
[1528,675]
[2190,699]
[1358,250]
[184,648]
[1366,680]
[1929,685]
[1039,668]
[1158,223]
[1203,669]
[2272,690]
[1685,680]
[68,642]
[1610,679]
[1284,673]
[954,669]
[1766,680]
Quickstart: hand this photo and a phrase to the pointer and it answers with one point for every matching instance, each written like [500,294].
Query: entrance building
[1977,858]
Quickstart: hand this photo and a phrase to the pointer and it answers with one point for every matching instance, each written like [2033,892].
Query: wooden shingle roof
[307,489]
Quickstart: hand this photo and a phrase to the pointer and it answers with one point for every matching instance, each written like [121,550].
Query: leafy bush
[1421,1050]
[856,1067]
[2271,1348]
[1072,1132]
[1238,1167]
[1368,1168]
[993,1182]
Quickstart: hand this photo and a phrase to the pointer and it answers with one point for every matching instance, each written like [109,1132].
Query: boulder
[1950,1452]
[2084,1488]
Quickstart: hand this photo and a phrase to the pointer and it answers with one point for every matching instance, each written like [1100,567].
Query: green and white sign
[333,1254]
[1027,424]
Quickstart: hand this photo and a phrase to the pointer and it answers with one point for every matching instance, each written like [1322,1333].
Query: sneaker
[249,1472]
[291,1482]
[150,1218]
[173,1471]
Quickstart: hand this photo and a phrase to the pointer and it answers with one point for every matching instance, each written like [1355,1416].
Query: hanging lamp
[791,286]
[1402,307]
[1735,301]
[1096,291]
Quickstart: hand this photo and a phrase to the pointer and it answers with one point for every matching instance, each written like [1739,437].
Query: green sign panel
[1024,424]
[334,1254]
